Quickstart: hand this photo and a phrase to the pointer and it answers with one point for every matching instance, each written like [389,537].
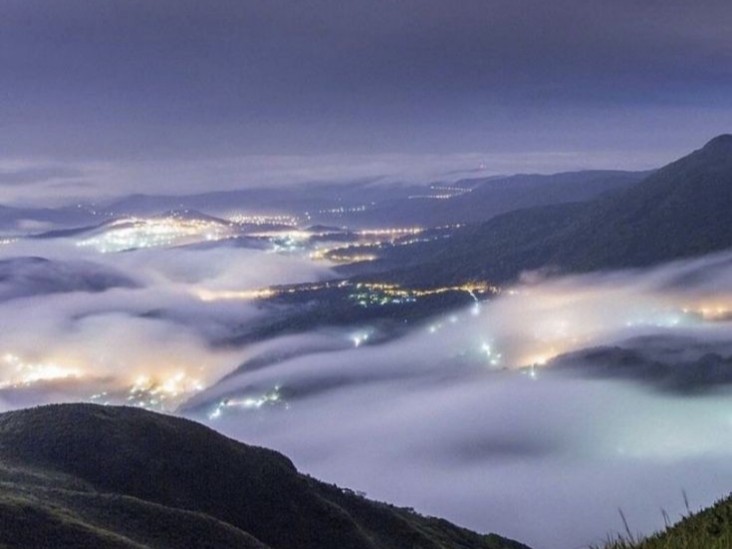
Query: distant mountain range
[86,476]
[367,203]
[486,198]
[679,211]
[29,219]
[375,204]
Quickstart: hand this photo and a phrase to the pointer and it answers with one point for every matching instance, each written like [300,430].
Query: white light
[248,403]
[24,373]
[133,233]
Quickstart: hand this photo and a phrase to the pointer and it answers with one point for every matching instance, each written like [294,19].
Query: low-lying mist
[516,415]
[128,327]
[536,414]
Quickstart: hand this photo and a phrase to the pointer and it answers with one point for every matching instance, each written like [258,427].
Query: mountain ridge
[679,211]
[76,469]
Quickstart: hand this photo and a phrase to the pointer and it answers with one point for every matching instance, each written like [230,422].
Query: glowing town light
[538,360]
[359,338]
[161,392]
[133,233]
[494,358]
[351,258]
[391,232]
[433,328]
[216,413]
[19,373]
[226,295]
[251,403]
[712,312]
[260,219]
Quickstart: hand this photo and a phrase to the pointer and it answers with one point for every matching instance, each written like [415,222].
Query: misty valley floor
[534,406]
[429,419]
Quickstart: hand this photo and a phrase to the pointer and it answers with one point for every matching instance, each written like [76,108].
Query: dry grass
[708,529]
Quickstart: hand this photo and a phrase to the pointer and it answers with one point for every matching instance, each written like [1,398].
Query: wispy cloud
[33,175]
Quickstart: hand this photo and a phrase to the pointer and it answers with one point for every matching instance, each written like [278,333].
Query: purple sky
[118,83]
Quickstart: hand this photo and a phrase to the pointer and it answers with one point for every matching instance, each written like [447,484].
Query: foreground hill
[83,475]
[678,211]
[707,529]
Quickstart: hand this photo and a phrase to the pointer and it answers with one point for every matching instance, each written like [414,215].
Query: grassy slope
[38,517]
[707,529]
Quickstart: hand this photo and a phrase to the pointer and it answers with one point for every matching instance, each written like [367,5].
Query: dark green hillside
[90,476]
[497,250]
[682,210]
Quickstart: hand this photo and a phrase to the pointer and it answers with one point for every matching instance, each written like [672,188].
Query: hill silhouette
[679,211]
[82,475]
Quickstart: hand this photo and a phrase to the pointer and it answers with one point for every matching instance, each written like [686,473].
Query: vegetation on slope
[678,211]
[90,476]
[707,529]
[497,250]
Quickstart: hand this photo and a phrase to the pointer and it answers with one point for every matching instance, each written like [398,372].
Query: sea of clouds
[496,416]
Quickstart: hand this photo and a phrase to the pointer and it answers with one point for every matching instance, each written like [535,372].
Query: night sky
[85,85]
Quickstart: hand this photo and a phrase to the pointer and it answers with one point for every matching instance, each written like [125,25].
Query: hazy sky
[84,82]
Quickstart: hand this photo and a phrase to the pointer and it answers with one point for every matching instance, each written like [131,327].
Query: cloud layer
[497,416]
[546,450]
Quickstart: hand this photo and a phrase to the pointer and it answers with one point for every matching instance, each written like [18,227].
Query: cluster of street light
[164,392]
[264,219]
[255,402]
[18,372]
[134,233]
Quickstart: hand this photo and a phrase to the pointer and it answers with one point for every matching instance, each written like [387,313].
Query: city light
[17,372]
[269,398]
[263,219]
[399,231]
[494,358]
[162,392]
[133,233]
[223,295]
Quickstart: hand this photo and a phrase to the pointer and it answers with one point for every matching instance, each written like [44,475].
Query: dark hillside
[682,210]
[93,476]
